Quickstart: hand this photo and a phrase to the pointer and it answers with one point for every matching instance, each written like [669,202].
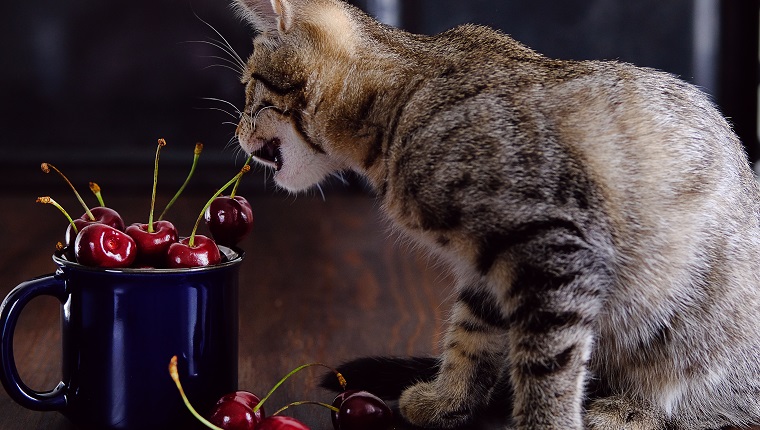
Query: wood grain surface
[323,281]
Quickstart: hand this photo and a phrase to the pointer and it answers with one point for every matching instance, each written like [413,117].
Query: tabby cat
[601,219]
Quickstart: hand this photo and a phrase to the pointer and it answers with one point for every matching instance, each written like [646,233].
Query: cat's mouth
[270,154]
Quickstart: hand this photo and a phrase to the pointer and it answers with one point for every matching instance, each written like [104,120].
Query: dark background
[91,85]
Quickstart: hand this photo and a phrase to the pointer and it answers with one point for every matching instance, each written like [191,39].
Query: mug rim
[230,257]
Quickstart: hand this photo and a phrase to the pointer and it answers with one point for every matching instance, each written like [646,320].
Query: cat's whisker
[225,47]
[267,175]
[322,192]
[240,154]
[232,105]
[231,62]
[253,125]
[341,178]
[224,44]
[234,144]
[237,115]
[238,65]
[223,66]
[220,110]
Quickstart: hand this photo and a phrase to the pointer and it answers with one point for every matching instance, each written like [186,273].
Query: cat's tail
[385,377]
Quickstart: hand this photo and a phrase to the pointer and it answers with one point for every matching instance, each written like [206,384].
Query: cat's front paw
[423,406]
[620,413]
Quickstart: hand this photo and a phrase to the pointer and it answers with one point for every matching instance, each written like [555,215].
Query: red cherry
[100,245]
[337,402]
[197,250]
[245,397]
[153,247]
[362,410]
[202,252]
[233,415]
[103,215]
[99,214]
[106,216]
[229,219]
[281,422]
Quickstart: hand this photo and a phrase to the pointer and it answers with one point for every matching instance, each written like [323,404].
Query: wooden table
[323,281]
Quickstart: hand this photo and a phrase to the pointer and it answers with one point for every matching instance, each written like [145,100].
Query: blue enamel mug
[120,329]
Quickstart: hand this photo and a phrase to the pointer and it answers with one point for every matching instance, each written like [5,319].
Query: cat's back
[661,167]
[667,163]
[646,138]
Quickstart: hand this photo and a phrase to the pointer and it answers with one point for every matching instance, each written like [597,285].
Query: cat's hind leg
[623,413]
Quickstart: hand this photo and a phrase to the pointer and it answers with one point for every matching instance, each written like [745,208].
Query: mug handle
[10,310]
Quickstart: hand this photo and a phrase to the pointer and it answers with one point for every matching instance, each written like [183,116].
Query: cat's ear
[267,16]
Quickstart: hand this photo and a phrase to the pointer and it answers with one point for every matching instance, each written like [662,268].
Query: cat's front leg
[472,362]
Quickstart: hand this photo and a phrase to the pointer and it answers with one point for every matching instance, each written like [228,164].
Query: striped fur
[602,219]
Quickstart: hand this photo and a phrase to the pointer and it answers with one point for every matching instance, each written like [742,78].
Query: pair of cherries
[237,411]
[353,410]
[242,410]
[99,237]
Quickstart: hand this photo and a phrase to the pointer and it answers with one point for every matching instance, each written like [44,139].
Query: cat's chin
[298,178]
[292,185]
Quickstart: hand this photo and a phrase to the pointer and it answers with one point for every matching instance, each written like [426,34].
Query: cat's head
[292,80]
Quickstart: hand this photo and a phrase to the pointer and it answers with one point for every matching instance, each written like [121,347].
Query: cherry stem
[47,200]
[307,402]
[191,240]
[341,381]
[161,144]
[95,188]
[175,376]
[46,168]
[234,189]
[196,154]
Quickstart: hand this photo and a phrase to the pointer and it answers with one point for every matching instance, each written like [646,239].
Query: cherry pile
[100,238]
[243,410]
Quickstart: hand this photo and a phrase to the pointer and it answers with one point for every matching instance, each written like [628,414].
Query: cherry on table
[101,245]
[361,410]
[233,415]
[337,402]
[245,397]
[234,411]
